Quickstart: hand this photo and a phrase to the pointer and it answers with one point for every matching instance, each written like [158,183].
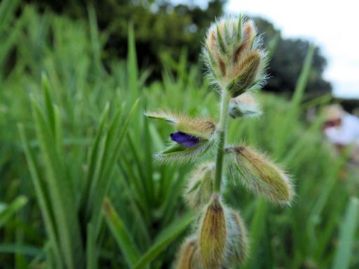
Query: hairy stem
[221,133]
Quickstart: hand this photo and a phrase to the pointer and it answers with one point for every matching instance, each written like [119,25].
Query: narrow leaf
[347,236]
[7,211]
[164,240]
[121,234]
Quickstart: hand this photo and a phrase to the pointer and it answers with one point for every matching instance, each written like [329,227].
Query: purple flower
[184,139]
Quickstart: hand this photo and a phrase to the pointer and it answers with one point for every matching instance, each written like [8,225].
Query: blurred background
[75,79]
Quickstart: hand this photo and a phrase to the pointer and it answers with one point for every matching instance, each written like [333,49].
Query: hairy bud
[188,257]
[237,243]
[199,127]
[200,185]
[246,73]
[193,136]
[213,234]
[232,55]
[261,175]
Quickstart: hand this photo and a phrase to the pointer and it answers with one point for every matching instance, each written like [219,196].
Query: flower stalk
[236,65]
[221,133]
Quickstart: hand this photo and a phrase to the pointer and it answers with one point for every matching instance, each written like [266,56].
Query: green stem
[221,133]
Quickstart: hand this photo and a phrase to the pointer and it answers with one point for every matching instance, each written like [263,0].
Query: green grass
[72,133]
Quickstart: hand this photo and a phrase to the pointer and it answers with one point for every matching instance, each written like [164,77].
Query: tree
[161,27]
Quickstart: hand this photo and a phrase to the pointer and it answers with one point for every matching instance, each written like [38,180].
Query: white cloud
[330,24]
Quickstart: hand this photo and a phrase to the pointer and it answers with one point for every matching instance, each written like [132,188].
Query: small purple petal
[184,139]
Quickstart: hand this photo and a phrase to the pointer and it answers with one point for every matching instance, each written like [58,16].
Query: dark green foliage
[163,29]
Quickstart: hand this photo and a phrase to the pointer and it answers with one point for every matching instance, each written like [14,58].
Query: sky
[333,25]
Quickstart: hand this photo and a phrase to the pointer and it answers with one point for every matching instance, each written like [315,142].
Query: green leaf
[94,157]
[95,39]
[91,250]
[113,141]
[21,249]
[42,197]
[50,113]
[303,77]
[257,232]
[59,187]
[178,153]
[9,36]
[164,240]
[7,10]
[7,211]
[347,236]
[121,234]
[132,69]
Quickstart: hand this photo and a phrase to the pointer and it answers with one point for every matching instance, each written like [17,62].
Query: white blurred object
[345,134]
[244,105]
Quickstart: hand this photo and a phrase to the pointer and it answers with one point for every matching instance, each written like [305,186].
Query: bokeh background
[75,79]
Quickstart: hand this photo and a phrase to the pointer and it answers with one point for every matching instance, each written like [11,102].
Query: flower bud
[249,34]
[213,235]
[200,185]
[261,175]
[188,257]
[237,243]
[246,73]
[232,56]
[244,105]
[199,127]
[193,136]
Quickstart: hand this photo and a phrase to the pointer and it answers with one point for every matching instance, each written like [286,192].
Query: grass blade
[7,9]
[122,236]
[42,197]
[22,249]
[347,235]
[7,211]
[132,68]
[303,77]
[113,145]
[164,240]
[257,231]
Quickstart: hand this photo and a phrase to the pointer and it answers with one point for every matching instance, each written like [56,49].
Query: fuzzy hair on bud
[232,55]
[237,242]
[200,185]
[213,234]
[199,127]
[245,73]
[244,105]
[193,136]
[249,33]
[178,154]
[188,257]
[261,175]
